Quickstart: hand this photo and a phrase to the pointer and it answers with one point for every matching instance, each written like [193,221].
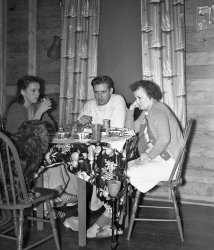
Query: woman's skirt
[147,175]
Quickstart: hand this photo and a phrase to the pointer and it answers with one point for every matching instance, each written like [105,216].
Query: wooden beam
[3,35]
[32,37]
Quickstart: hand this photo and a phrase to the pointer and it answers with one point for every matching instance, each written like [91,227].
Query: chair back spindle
[11,176]
[178,166]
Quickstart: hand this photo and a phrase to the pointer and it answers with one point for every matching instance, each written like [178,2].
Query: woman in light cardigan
[160,137]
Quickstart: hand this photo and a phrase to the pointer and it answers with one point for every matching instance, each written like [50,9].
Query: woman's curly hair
[24,82]
[151,88]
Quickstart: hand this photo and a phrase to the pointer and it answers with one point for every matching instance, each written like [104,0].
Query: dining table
[95,162]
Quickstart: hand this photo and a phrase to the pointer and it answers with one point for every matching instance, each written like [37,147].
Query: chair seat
[43,195]
[173,183]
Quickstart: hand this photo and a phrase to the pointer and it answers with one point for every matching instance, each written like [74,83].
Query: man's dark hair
[151,88]
[103,79]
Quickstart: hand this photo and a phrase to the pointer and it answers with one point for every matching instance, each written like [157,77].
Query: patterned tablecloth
[96,163]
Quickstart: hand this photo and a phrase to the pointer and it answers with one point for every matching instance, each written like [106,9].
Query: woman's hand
[133,106]
[142,159]
[44,106]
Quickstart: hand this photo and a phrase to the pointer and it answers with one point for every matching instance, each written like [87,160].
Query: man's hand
[85,119]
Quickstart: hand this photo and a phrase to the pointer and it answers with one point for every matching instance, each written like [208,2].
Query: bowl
[115,132]
[63,135]
[83,135]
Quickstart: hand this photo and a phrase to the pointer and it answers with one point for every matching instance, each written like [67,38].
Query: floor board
[198,232]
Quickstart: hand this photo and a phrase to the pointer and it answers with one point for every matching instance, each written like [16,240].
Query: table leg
[82,211]
[40,208]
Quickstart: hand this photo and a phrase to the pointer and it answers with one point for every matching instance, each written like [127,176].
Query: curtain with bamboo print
[163,48]
[79,36]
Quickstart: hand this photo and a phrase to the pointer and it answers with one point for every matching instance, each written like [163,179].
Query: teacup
[63,135]
[83,135]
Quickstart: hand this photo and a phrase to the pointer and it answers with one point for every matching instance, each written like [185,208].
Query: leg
[53,178]
[95,202]
[57,178]
[71,182]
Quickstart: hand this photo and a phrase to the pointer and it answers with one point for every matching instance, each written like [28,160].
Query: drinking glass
[114,187]
[96,132]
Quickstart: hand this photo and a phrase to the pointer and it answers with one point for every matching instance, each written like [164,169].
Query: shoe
[95,203]
[57,215]
[107,232]
[72,222]
[71,204]
[92,231]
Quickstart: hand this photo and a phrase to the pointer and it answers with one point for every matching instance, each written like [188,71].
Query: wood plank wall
[48,26]
[200,105]
[199,175]
[3,37]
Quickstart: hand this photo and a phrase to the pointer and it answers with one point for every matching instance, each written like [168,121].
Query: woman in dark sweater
[25,108]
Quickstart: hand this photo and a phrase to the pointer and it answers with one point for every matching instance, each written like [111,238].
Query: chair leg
[126,224]
[40,208]
[15,222]
[53,224]
[178,218]
[20,230]
[133,214]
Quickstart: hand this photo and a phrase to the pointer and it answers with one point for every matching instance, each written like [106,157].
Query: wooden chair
[131,154]
[14,195]
[172,184]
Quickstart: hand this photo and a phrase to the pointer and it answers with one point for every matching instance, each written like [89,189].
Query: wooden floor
[198,232]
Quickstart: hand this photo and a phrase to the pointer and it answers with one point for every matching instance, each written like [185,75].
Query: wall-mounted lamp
[54,50]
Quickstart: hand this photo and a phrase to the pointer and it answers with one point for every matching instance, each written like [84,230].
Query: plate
[68,140]
[82,140]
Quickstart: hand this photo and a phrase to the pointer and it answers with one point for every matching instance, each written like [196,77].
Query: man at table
[105,105]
